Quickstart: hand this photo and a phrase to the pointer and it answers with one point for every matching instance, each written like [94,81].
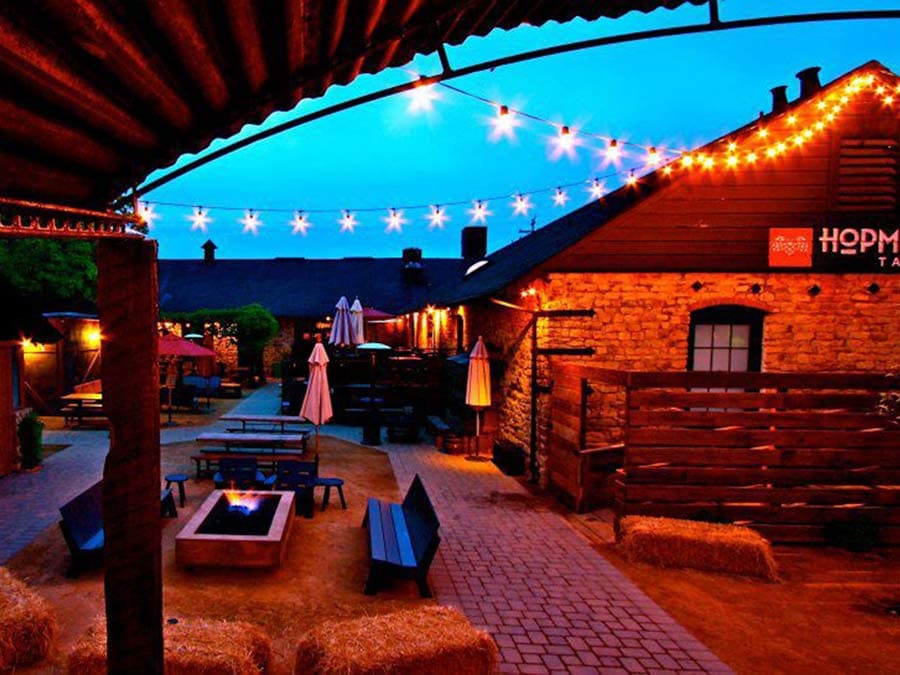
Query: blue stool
[178,478]
[329,483]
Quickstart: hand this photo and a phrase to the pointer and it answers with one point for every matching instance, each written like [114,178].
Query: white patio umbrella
[317,402]
[342,327]
[359,328]
[478,385]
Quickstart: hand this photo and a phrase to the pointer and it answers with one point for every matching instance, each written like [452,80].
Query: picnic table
[256,440]
[252,422]
[81,405]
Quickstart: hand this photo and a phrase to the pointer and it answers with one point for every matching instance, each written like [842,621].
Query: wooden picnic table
[253,421]
[259,440]
[81,404]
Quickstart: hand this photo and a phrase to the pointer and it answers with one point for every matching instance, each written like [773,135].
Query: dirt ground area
[182,418]
[322,578]
[828,614]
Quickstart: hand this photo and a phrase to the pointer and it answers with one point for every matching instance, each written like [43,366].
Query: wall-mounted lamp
[873,288]
[697,285]
[814,290]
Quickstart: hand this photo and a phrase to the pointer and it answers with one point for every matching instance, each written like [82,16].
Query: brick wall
[642,322]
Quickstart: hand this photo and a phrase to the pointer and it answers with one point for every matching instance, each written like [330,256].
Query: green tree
[255,327]
[49,271]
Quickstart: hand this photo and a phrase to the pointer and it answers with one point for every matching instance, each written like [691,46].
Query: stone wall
[279,348]
[642,322]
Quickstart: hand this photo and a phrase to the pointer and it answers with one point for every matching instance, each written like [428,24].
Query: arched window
[726,337]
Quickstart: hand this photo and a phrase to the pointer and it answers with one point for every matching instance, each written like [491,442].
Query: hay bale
[193,647]
[427,640]
[714,547]
[27,624]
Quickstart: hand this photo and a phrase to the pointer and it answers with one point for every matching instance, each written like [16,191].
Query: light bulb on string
[147,215]
[652,157]
[632,180]
[597,188]
[612,154]
[521,205]
[251,223]
[479,212]
[422,98]
[560,197]
[300,224]
[437,217]
[199,219]
[503,124]
[348,222]
[564,143]
[395,221]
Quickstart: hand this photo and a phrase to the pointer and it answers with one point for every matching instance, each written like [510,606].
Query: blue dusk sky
[672,92]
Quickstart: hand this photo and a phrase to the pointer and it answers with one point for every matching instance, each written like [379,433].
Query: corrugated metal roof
[96,94]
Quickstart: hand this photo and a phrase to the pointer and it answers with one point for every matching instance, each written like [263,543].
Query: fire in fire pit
[240,513]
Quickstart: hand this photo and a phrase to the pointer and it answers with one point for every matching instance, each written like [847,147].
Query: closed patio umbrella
[359,329]
[478,386]
[317,402]
[342,329]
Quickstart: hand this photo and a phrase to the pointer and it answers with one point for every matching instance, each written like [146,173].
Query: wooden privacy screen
[785,453]
[579,470]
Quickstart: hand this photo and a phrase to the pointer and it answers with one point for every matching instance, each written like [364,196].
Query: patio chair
[299,476]
[239,473]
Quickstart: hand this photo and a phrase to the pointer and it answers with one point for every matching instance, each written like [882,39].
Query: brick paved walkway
[521,572]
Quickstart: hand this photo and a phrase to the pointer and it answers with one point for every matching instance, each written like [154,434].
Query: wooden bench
[74,411]
[403,538]
[82,526]
[256,440]
[438,428]
[207,462]
[251,422]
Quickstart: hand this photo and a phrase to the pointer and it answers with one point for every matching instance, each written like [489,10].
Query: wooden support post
[127,292]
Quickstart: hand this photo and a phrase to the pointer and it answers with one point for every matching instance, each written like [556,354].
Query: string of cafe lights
[785,133]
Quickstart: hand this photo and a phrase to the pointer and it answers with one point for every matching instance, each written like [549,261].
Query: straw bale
[192,647]
[27,624]
[426,640]
[714,547]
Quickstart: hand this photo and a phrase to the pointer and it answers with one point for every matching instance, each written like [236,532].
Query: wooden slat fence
[785,453]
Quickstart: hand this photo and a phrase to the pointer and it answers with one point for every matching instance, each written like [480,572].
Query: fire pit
[235,528]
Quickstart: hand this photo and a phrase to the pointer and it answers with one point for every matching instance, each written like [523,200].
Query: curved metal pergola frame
[449,73]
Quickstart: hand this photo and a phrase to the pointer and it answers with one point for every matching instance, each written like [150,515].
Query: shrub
[31,443]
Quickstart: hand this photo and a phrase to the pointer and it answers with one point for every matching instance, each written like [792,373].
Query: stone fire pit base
[193,549]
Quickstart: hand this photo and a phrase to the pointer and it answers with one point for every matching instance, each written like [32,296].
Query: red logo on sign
[790,247]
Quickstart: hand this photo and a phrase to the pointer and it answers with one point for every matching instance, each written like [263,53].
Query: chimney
[809,82]
[474,242]
[779,99]
[413,267]
[209,252]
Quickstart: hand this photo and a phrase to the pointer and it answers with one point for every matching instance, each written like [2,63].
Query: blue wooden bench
[403,538]
[82,526]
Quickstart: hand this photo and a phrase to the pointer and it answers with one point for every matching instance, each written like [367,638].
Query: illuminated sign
[839,248]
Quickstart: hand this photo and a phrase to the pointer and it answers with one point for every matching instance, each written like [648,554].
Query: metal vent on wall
[867,175]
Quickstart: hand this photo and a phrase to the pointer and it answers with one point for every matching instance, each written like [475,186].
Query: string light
[251,223]
[503,124]
[395,221]
[300,224]
[564,143]
[560,197]
[147,214]
[782,134]
[437,217]
[479,212]
[200,220]
[348,222]
[422,98]
[521,205]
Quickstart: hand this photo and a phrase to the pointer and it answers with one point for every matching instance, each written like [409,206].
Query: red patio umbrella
[172,345]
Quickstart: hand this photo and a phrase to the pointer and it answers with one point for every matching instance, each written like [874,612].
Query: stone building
[775,247]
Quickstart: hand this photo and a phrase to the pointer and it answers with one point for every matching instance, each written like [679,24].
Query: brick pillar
[127,299]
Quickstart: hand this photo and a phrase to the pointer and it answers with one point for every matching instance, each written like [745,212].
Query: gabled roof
[298,287]
[99,93]
[520,258]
